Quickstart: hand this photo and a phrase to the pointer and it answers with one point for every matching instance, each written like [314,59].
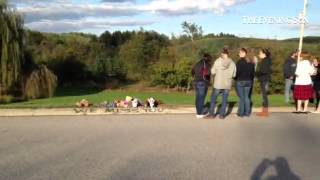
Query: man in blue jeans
[289,70]
[223,70]
[201,79]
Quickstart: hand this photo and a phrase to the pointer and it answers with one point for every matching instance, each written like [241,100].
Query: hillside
[143,56]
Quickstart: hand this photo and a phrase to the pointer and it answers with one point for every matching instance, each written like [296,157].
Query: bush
[6,99]
[40,84]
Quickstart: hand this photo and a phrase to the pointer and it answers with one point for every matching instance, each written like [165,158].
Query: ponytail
[266,51]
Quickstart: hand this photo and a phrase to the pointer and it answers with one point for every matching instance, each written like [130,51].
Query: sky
[166,16]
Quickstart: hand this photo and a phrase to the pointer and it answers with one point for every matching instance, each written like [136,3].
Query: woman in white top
[303,90]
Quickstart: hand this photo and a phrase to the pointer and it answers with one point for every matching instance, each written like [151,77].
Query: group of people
[302,80]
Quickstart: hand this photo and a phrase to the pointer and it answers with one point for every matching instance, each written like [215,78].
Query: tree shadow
[76,91]
[281,166]
[230,107]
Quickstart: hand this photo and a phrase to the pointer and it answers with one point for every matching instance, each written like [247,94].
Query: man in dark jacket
[201,78]
[289,69]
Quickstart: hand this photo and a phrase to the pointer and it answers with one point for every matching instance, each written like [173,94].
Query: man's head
[294,54]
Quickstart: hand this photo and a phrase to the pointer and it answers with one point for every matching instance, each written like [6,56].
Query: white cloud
[75,11]
[78,25]
[37,1]
[117,1]
[182,7]
[63,9]
[55,13]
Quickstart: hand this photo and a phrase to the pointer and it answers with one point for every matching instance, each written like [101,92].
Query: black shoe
[210,117]
[238,116]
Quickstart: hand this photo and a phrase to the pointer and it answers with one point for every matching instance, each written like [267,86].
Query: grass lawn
[67,97]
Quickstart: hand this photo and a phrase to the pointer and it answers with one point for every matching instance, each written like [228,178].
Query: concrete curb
[99,111]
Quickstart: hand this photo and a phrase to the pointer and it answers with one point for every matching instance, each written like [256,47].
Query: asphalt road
[138,147]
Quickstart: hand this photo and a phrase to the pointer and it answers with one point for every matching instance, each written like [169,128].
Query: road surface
[138,147]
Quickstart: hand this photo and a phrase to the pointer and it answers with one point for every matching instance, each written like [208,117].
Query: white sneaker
[200,116]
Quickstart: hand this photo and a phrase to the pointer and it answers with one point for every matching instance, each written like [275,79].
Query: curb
[99,111]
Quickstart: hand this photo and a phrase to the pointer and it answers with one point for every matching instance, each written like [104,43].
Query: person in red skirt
[303,90]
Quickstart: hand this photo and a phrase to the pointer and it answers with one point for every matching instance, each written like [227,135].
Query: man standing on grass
[289,70]
[201,79]
[223,70]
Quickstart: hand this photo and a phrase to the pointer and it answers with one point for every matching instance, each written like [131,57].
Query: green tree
[183,70]
[139,54]
[192,30]
[11,47]
[41,83]
[133,57]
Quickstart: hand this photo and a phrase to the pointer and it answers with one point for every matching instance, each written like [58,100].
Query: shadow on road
[229,108]
[281,166]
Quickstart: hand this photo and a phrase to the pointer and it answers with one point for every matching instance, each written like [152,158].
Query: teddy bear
[152,103]
[136,103]
[83,104]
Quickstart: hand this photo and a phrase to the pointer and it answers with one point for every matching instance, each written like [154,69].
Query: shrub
[6,99]
[40,84]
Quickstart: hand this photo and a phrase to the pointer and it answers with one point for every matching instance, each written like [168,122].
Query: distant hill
[308,39]
[279,48]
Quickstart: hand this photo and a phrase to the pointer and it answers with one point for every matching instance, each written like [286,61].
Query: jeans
[288,90]
[201,89]
[214,96]
[244,88]
[264,85]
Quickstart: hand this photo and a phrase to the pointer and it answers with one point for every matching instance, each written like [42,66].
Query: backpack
[205,72]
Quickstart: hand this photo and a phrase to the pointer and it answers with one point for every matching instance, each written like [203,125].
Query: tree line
[146,55]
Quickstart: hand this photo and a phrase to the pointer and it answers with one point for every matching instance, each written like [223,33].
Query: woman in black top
[244,80]
[264,76]
[316,84]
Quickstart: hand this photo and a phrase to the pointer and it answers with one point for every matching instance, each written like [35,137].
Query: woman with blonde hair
[303,90]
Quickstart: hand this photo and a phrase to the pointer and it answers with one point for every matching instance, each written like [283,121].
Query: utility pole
[302,23]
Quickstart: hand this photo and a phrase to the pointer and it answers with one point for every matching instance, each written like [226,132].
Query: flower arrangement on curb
[129,104]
